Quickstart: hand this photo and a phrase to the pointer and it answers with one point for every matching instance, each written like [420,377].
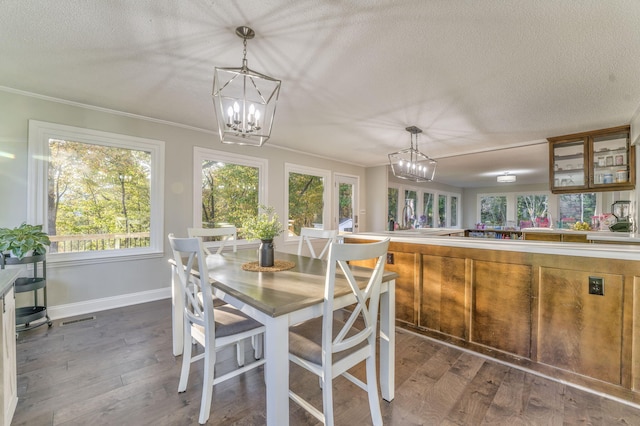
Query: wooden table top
[282,292]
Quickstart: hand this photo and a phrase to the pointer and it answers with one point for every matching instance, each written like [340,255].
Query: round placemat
[278,265]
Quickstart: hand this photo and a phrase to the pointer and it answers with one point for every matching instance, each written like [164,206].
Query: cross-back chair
[212,327]
[327,346]
[308,235]
[227,234]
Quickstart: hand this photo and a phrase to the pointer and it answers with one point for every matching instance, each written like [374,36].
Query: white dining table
[279,300]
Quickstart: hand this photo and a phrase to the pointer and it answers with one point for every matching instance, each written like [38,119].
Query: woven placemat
[278,265]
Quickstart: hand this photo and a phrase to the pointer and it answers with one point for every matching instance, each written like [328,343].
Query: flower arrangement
[264,226]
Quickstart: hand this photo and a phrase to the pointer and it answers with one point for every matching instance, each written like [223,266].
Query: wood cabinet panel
[406,296]
[578,331]
[443,303]
[538,236]
[501,306]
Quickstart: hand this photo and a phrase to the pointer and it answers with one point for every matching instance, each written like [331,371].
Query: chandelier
[244,100]
[410,163]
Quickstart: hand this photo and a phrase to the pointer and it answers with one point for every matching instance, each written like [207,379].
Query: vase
[265,253]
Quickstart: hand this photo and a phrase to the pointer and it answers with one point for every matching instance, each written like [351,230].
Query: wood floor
[118,369]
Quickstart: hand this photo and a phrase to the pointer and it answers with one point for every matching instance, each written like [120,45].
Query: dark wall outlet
[390,259]
[596,286]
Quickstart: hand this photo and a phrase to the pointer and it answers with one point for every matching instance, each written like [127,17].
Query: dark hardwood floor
[118,369]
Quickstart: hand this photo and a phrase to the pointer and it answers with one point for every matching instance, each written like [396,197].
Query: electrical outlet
[596,286]
[390,259]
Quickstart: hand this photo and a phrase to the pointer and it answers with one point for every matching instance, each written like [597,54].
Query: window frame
[40,133]
[419,209]
[200,154]
[326,195]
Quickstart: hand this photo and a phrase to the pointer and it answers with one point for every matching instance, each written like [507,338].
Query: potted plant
[264,227]
[24,240]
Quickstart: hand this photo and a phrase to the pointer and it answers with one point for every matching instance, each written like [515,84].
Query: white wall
[121,280]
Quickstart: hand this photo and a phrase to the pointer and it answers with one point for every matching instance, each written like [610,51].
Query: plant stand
[28,317]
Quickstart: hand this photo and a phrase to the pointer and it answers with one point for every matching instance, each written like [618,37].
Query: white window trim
[200,154]
[37,200]
[420,202]
[326,195]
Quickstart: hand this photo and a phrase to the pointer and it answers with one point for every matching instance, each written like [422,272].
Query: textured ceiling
[475,76]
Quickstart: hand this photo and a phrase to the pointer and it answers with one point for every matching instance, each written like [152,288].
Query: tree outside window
[426,219]
[306,202]
[493,210]
[229,193]
[576,208]
[532,209]
[392,202]
[442,211]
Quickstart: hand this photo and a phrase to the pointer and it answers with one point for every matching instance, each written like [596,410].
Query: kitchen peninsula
[566,310]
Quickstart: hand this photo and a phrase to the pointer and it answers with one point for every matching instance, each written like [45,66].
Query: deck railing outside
[97,242]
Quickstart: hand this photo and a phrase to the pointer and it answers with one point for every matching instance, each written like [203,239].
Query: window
[227,187]
[392,203]
[576,208]
[533,210]
[307,203]
[426,219]
[442,211]
[97,194]
[453,208]
[493,210]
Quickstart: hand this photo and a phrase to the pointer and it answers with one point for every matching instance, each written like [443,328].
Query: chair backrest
[367,300]
[309,234]
[188,252]
[227,234]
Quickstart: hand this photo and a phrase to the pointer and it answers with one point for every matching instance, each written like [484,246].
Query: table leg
[276,350]
[177,318]
[388,341]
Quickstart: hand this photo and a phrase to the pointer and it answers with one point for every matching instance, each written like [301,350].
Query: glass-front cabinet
[600,160]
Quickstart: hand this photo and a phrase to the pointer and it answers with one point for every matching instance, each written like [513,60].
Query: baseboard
[96,305]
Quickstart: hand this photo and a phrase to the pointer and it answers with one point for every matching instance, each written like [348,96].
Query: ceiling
[475,76]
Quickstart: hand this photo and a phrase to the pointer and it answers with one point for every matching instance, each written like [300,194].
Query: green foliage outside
[493,210]
[306,201]
[392,197]
[95,189]
[576,208]
[229,193]
[532,207]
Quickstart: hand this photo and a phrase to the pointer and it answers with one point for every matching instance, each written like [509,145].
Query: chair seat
[305,340]
[230,320]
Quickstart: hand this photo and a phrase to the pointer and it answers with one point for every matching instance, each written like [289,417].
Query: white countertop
[607,251]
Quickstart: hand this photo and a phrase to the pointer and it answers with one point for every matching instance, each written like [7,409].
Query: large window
[493,210]
[227,188]
[97,194]
[307,203]
[576,208]
[533,210]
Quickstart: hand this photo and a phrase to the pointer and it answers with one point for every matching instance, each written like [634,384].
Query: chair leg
[256,342]
[327,402]
[372,391]
[186,358]
[240,353]
[207,384]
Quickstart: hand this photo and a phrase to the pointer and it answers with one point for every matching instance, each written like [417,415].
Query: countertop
[7,277]
[441,238]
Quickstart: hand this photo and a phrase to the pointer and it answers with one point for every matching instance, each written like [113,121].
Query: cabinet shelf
[28,317]
[592,175]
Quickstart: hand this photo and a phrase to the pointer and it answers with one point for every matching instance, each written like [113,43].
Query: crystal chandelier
[244,100]
[410,163]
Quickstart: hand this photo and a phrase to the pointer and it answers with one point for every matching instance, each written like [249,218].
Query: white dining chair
[308,235]
[212,328]
[328,346]
[224,235]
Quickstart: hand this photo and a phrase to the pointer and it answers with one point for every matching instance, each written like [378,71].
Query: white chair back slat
[308,235]
[228,235]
